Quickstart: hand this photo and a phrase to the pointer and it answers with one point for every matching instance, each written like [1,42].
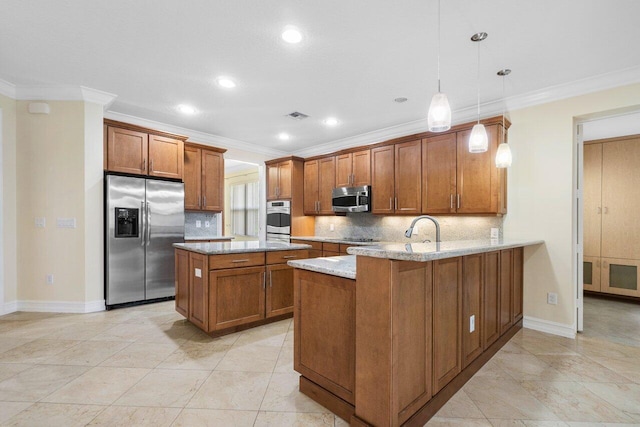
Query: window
[244,209]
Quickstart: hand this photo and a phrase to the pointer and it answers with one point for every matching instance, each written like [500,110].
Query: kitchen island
[224,287]
[385,336]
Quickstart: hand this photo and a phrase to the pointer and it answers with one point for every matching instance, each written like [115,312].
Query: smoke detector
[296,115]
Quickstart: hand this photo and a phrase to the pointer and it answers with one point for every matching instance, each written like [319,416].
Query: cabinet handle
[264,279]
[396,203]
[199,201]
[144,165]
[390,203]
[151,165]
[451,201]
[271,279]
[204,201]
[599,210]
[240,260]
[458,203]
[318,209]
[289,256]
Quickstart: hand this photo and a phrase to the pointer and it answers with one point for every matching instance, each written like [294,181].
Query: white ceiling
[355,58]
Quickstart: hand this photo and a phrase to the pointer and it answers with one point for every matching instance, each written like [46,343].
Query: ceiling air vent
[297,115]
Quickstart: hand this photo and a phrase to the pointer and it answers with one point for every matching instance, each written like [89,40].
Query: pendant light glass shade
[439,117]
[503,156]
[478,141]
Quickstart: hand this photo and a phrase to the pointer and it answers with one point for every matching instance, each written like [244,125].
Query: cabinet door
[621,199]
[212,181]
[236,296]
[127,151]
[491,299]
[518,291]
[592,199]
[279,290]
[272,182]
[192,178]
[472,278]
[506,290]
[182,282]
[326,183]
[361,168]
[198,291]
[344,170]
[478,182]
[382,180]
[620,276]
[166,157]
[447,315]
[591,268]
[408,177]
[285,184]
[439,174]
[310,198]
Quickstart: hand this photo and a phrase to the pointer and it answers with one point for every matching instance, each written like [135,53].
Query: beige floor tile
[506,423]
[87,353]
[284,364]
[140,355]
[37,382]
[625,397]
[580,368]
[201,337]
[272,334]
[529,423]
[527,367]
[136,416]
[196,356]
[627,367]
[446,422]
[126,332]
[491,369]
[232,390]
[80,331]
[36,351]
[98,386]
[573,402]
[539,344]
[249,358]
[292,419]
[513,347]
[10,343]
[55,414]
[460,406]
[9,409]
[215,418]
[506,399]
[8,370]
[283,396]
[580,424]
[164,388]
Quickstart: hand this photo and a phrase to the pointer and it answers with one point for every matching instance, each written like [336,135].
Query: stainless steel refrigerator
[143,218]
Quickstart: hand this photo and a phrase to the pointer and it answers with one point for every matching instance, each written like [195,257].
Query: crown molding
[196,136]
[56,93]
[7,89]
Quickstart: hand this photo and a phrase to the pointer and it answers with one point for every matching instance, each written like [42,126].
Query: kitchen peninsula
[386,337]
[224,287]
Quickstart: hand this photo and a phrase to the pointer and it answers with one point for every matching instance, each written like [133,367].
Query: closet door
[592,199]
[621,199]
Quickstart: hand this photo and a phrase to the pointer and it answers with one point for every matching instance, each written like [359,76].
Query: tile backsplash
[190,229]
[392,228]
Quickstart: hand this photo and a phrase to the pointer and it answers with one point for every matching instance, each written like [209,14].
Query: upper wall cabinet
[319,181]
[353,169]
[279,184]
[140,151]
[396,178]
[203,178]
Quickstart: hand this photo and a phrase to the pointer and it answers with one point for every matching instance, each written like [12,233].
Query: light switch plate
[495,233]
[332,227]
[40,222]
[472,323]
[552,298]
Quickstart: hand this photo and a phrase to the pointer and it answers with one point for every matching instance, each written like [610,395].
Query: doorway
[607,257]
[243,204]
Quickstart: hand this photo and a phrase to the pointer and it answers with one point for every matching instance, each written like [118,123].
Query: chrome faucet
[413,223]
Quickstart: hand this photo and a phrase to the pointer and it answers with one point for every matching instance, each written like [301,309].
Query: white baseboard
[567,331]
[54,306]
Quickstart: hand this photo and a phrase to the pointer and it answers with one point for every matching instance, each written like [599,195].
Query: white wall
[541,182]
[8,223]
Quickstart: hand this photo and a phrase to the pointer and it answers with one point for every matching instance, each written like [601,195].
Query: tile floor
[147,366]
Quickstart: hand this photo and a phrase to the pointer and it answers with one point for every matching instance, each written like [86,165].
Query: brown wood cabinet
[279,180]
[382,180]
[182,282]
[236,296]
[491,299]
[319,181]
[439,192]
[353,169]
[472,281]
[203,178]
[136,150]
[397,170]
[198,291]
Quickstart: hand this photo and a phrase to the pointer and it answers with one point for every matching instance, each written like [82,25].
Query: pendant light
[478,141]
[503,155]
[439,116]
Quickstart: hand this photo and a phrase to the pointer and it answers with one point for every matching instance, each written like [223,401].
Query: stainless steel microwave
[351,199]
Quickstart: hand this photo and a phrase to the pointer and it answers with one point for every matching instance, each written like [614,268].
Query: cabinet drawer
[330,247]
[247,259]
[314,245]
[281,257]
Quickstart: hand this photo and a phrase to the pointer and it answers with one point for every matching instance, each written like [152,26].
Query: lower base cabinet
[279,287]
[615,276]
[236,297]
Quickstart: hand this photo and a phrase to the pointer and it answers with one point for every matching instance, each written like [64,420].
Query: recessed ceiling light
[226,82]
[186,109]
[291,35]
[401,100]
[284,136]
[331,121]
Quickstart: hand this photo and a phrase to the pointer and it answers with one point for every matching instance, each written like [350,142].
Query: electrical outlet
[49,279]
[207,224]
[472,323]
[197,272]
[332,227]
[495,233]
[552,298]
[198,224]
[40,222]
[66,222]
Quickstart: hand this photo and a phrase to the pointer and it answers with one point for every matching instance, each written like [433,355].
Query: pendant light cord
[438,46]
[478,77]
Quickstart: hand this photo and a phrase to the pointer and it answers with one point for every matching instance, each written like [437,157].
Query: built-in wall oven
[279,221]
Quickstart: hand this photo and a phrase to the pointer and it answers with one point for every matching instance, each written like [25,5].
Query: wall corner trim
[549,327]
[7,89]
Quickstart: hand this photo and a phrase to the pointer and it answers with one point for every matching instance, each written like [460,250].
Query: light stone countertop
[341,266]
[433,251]
[216,248]
[209,238]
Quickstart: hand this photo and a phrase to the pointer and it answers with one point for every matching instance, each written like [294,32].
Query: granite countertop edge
[341,266]
[209,238]
[218,248]
[343,241]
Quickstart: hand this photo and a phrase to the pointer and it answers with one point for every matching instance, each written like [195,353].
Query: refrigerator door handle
[143,225]
[148,223]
